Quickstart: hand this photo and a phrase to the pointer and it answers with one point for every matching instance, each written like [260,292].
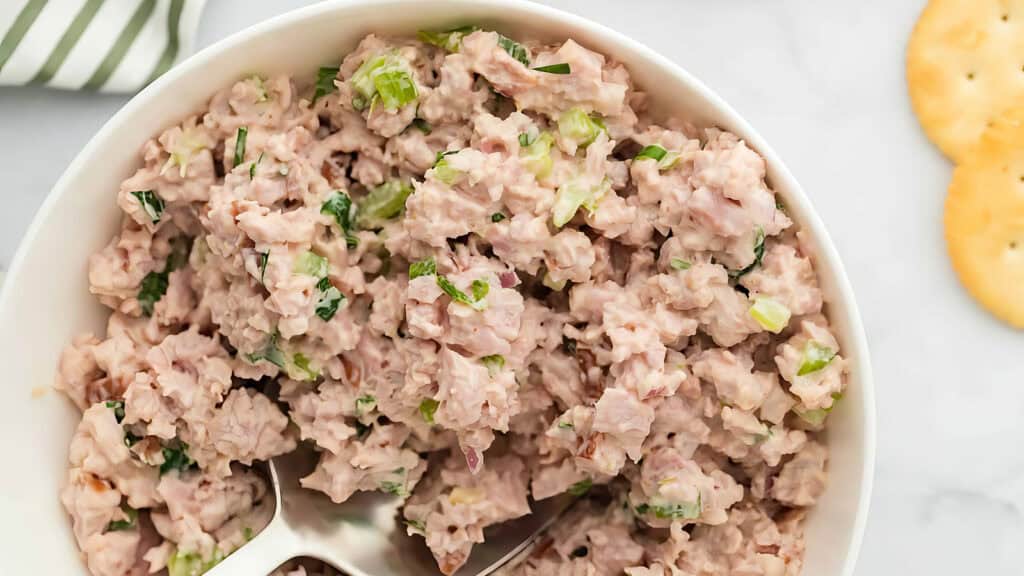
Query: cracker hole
[970,75]
[1013,245]
[1005,17]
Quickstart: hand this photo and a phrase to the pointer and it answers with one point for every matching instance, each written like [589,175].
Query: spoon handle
[272,547]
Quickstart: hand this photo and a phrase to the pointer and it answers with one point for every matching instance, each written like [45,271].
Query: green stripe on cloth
[67,42]
[121,46]
[17,31]
[171,52]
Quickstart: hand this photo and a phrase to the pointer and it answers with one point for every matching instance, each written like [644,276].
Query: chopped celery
[536,154]
[562,68]
[816,356]
[426,267]
[494,363]
[578,126]
[514,49]
[310,264]
[151,203]
[450,40]
[550,283]
[443,172]
[325,81]
[386,77]
[427,409]
[758,254]
[580,488]
[770,314]
[680,264]
[574,194]
[653,151]
[240,138]
[330,299]
[382,204]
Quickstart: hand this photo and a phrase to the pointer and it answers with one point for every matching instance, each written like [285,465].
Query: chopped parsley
[339,205]
[270,352]
[686,510]
[498,217]
[365,403]
[514,49]
[758,255]
[479,290]
[151,203]
[416,525]
[176,458]
[126,523]
[151,290]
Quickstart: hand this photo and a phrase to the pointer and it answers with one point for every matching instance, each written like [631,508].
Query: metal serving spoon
[364,536]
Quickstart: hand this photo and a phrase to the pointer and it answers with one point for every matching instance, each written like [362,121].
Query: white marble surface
[823,82]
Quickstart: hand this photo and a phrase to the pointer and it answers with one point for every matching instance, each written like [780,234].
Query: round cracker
[965,65]
[984,219]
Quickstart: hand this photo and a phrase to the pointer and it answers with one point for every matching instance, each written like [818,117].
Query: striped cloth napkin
[106,45]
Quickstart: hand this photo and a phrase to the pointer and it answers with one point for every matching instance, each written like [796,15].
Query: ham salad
[472,272]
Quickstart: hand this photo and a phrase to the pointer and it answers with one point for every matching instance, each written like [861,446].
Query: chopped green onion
[339,205]
[151,290]
[459,296]
[310,264]
[118,407]
[680,264]
[653,151]
[422,125]
[562,68]
[525,139]
[494,363]
[191,564]
[386,77]
[330,298]
[566,425]
[427,409]
[426,267]
[770,314]
[445,173]
[240,138]
[382,204]
[758,254]
[151,203]
[396,488]
[365,403]
[262,258]
[270,352]
[816,357]
[578,126]
[252,167]
[126,524]
[479,288]
[580,488]
[176,457]
[514,49]
[417,526]
[450,40]
[498,217]
[686,510]
[247,533]
[300,368]
[571,196]
[325,82]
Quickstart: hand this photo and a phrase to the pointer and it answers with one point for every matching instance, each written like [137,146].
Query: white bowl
[45,299]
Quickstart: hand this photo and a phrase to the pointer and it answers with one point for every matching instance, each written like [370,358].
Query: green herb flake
[396,488]
[580,488]
[566,425]
[176,458]
[653,151]
[416,526]
[498,217]
[450,40]
[240,138]
[680,264]
[562,68]
[426,267]
[422,125]
[252,167]
[262,258]
[427,409]
[457,295]
[494,363]
[118,407]
[301,369]
[365,404]
[132,515]
[758,255]
[151,290]
[247,533]
[480,288]
[330,299]
[325,82]
[514,49]
[152,204]
[270,352]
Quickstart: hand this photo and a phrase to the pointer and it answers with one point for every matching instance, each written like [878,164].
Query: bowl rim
[810,219]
